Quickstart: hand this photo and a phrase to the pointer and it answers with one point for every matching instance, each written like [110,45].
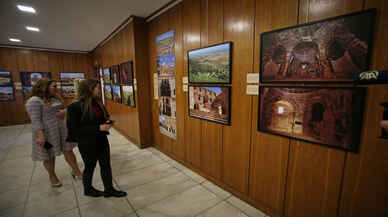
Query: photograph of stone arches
[210,103]
[330,116]
[330,50]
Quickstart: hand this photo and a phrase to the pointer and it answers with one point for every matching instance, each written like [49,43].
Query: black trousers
[91,153]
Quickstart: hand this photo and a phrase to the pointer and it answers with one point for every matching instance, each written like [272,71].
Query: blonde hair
[41,90]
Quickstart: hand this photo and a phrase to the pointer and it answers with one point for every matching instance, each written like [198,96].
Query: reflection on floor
[157,186]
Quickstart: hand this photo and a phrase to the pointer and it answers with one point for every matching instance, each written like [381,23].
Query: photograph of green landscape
[211,64]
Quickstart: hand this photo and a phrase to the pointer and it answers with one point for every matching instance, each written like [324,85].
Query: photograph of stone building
[5,78]
[210,103]
[68,78]
[330,50]
[6,94]
[116,92]
[328,116]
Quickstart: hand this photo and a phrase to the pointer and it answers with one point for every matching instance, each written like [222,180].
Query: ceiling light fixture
[14,40]
[32,28]
[26,9]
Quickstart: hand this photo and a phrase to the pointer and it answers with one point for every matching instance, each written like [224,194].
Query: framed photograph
[126,73]
[29,78]
[165,44]
[5,78]
[115,74]
[108,92]
[210,103]
[212,65]
[68,91]
[68,78]
[330,116]
[106,76]
[166,65]
[116,93]
[7,94]
[26,91]
[330,50]
[128,95]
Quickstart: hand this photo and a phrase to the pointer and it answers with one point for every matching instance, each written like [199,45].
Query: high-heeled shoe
[75,176]
[56,185]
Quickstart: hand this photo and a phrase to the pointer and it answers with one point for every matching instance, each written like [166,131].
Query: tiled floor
[157,186]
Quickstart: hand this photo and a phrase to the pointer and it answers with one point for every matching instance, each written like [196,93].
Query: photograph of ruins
[29,78]
[68,91]
[210,103]
[5,78]
[68,78]
[126,73]
[116,93]
[6,94]
[108,92]
[331,50]
[165,44]
[128,95]
[329,116]
[210,64]
[106,76]
[115,74]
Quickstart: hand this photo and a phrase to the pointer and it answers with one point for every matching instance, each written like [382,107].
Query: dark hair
[41,90]
[85,95]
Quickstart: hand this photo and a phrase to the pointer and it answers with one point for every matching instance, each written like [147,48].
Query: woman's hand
[384,124]
[105,127]
[40,139]
[61,113]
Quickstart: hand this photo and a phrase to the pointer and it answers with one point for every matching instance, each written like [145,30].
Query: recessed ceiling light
[14,40]
[32,28]
[26,9]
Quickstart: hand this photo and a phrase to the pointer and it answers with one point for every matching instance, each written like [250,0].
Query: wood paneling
[18,60]
[239,28]
[191,40]
[364,191]
[315,173]
[269,155]
[130,44]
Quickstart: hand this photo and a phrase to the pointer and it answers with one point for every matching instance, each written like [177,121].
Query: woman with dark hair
[47,112]
[88,123]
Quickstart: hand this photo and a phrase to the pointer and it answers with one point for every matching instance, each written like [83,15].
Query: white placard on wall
[185,80]
[252,89]
[252,78]
[185,88]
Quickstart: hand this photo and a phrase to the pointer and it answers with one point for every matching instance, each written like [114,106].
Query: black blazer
[83,131]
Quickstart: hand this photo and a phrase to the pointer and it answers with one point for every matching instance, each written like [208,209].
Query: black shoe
[92,192]
[114,193]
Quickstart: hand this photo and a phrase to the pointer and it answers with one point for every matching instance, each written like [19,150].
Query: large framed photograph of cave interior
[330,116]
[330,50]
[211,65]
[210,103]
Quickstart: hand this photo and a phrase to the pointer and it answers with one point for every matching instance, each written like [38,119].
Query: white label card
[252,89]
[185,88]
[185,80]
[252,78]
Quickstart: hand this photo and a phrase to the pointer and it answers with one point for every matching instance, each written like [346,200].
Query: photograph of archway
[330,50]
[106,76]
[330,116]
[108,92]
[210,103]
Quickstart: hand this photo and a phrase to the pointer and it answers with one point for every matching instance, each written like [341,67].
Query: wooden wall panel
[239,28]
[175,21]
[191,40]
[211,139]
[315,173]
[18,60]
[269,155]
[364,191]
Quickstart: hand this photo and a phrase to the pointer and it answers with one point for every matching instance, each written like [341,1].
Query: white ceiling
[78,25]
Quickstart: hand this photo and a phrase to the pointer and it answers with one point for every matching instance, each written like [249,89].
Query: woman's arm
[34,109]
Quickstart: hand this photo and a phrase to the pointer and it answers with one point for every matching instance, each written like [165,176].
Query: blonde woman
[47,113]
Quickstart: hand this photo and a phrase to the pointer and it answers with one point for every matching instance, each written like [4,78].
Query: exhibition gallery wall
[259,97]
[20,68]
